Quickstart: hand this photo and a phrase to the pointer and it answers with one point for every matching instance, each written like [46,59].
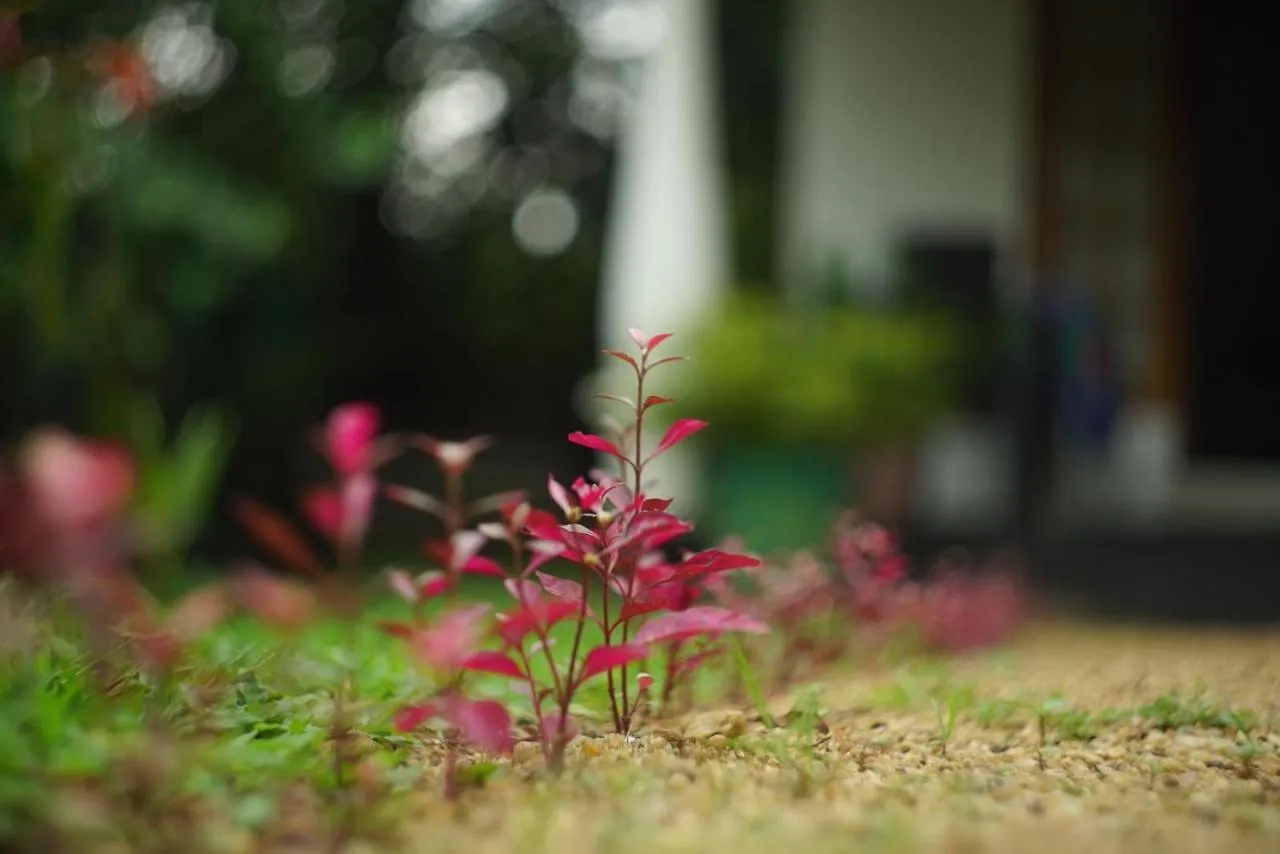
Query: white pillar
[666,257]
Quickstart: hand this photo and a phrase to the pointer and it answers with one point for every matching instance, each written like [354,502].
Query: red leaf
[621,356]
[484,723]
[432,583]
[397,630]
[647,605]
[713,561]
[276,535]
[409,718]
[655,400]
[323,508]
[481,565]
[701,620]
[677,433]
[515,625]
[655,341]
[595,443]
[542,525]
[647,343]
[604,658]
[493,662]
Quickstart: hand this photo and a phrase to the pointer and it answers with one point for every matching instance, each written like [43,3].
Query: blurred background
[999,272]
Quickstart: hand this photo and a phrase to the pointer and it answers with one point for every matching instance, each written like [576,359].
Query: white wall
[902,113]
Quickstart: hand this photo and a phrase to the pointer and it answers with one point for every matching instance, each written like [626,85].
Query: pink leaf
[561,588]
[464,545]
[415,499]
[358,492]
[403,585]
[451,639]
[349,435]
[523,591]
[701,620]
[453,457]
[604,658]
[559,495]
[493,662]
[75,481]
[677,433]
[278,602]
[199,611]
[484,723]
[555,727]
[595,443]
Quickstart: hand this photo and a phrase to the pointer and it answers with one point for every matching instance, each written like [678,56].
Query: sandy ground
[877,780]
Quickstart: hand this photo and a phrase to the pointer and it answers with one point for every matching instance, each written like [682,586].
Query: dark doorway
[1233,206]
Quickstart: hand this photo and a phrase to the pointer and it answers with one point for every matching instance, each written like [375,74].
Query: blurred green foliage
[835,376]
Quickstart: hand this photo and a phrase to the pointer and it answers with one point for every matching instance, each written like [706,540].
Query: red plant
[339,511]
[448,648]
[613,534]
[65,524]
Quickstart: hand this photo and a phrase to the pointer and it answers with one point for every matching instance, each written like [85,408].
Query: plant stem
[638,467]
[570,682]
[669,682]
[749,681]
[608,639]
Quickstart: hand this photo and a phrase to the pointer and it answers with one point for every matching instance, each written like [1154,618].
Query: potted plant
[796,397]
